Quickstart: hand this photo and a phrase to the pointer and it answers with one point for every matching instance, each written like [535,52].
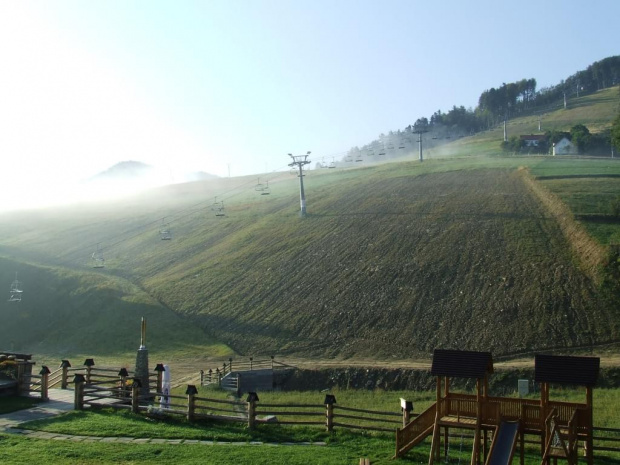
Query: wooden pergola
[449,364]
[564,424]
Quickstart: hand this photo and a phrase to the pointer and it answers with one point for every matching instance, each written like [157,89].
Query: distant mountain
[138,171]
[125,170]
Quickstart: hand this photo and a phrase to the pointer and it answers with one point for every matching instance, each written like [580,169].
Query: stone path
[62,401]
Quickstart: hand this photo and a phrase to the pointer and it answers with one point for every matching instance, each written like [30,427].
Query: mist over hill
[136,171]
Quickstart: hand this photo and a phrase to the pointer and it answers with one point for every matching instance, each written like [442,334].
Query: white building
[564,147]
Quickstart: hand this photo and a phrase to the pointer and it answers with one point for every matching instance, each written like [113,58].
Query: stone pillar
[142,371]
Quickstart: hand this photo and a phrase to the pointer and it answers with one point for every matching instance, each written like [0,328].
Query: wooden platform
[453,421]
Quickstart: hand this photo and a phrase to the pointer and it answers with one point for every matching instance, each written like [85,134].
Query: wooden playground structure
[559,426]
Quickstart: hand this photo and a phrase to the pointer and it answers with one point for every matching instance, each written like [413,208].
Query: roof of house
[461,363]
[564,369]
[538,137]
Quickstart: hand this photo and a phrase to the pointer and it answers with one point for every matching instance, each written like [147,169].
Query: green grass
[382,245]
[12,404]
[342,446]
[19,450]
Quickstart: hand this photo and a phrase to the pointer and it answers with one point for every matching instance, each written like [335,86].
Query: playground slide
[503,444]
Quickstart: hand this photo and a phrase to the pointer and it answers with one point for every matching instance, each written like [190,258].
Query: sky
[233,86]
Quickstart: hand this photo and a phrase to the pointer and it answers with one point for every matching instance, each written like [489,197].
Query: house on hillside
[533,140]
[564,147]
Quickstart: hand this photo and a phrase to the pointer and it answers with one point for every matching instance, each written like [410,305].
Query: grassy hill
[596,111]
[392,261]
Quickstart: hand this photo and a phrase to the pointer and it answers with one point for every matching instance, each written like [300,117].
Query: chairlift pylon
[16,292]
[97,258]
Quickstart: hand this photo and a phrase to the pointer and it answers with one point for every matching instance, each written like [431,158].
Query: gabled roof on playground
[564,369]
[461,363]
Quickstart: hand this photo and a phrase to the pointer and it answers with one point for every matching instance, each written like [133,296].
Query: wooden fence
[107,391]
[120,389]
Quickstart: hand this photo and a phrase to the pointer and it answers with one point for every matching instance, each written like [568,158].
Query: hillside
[596,111]
[392,261]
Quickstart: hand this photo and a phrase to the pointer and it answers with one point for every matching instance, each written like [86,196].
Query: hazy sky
[198,85]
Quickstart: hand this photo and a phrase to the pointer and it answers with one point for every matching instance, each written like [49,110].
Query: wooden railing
[415,431]
[214,376]
[251,411]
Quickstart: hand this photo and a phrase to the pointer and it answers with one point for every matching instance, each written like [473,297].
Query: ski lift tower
[299,161]
[420,129]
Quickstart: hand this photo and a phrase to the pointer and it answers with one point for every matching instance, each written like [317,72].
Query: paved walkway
[62,401]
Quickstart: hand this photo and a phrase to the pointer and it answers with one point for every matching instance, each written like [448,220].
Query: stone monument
[142,363]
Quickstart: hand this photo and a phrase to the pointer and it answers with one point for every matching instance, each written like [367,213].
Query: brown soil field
[398,267]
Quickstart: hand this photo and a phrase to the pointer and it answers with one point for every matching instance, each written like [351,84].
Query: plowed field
[398,267]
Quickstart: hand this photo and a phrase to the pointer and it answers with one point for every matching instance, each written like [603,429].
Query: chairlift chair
[218,208]
[266,190]
[164,233]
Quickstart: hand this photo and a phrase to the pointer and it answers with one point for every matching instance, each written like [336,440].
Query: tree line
[504,102]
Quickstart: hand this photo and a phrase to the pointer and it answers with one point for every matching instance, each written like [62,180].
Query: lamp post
[299,161]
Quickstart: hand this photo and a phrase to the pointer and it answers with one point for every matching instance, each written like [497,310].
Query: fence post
[329,402]
[251,359]
[78,402]
[159,368]
[64,381]
[123,374]
[88,363]
[202,378]
[230,363]
[136,385]
[44,382]
[239,390]
[224,369]
[407,407]
[251,400]
[272,357]
[191,392]
[219,377]
[20,378]
[210,375]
